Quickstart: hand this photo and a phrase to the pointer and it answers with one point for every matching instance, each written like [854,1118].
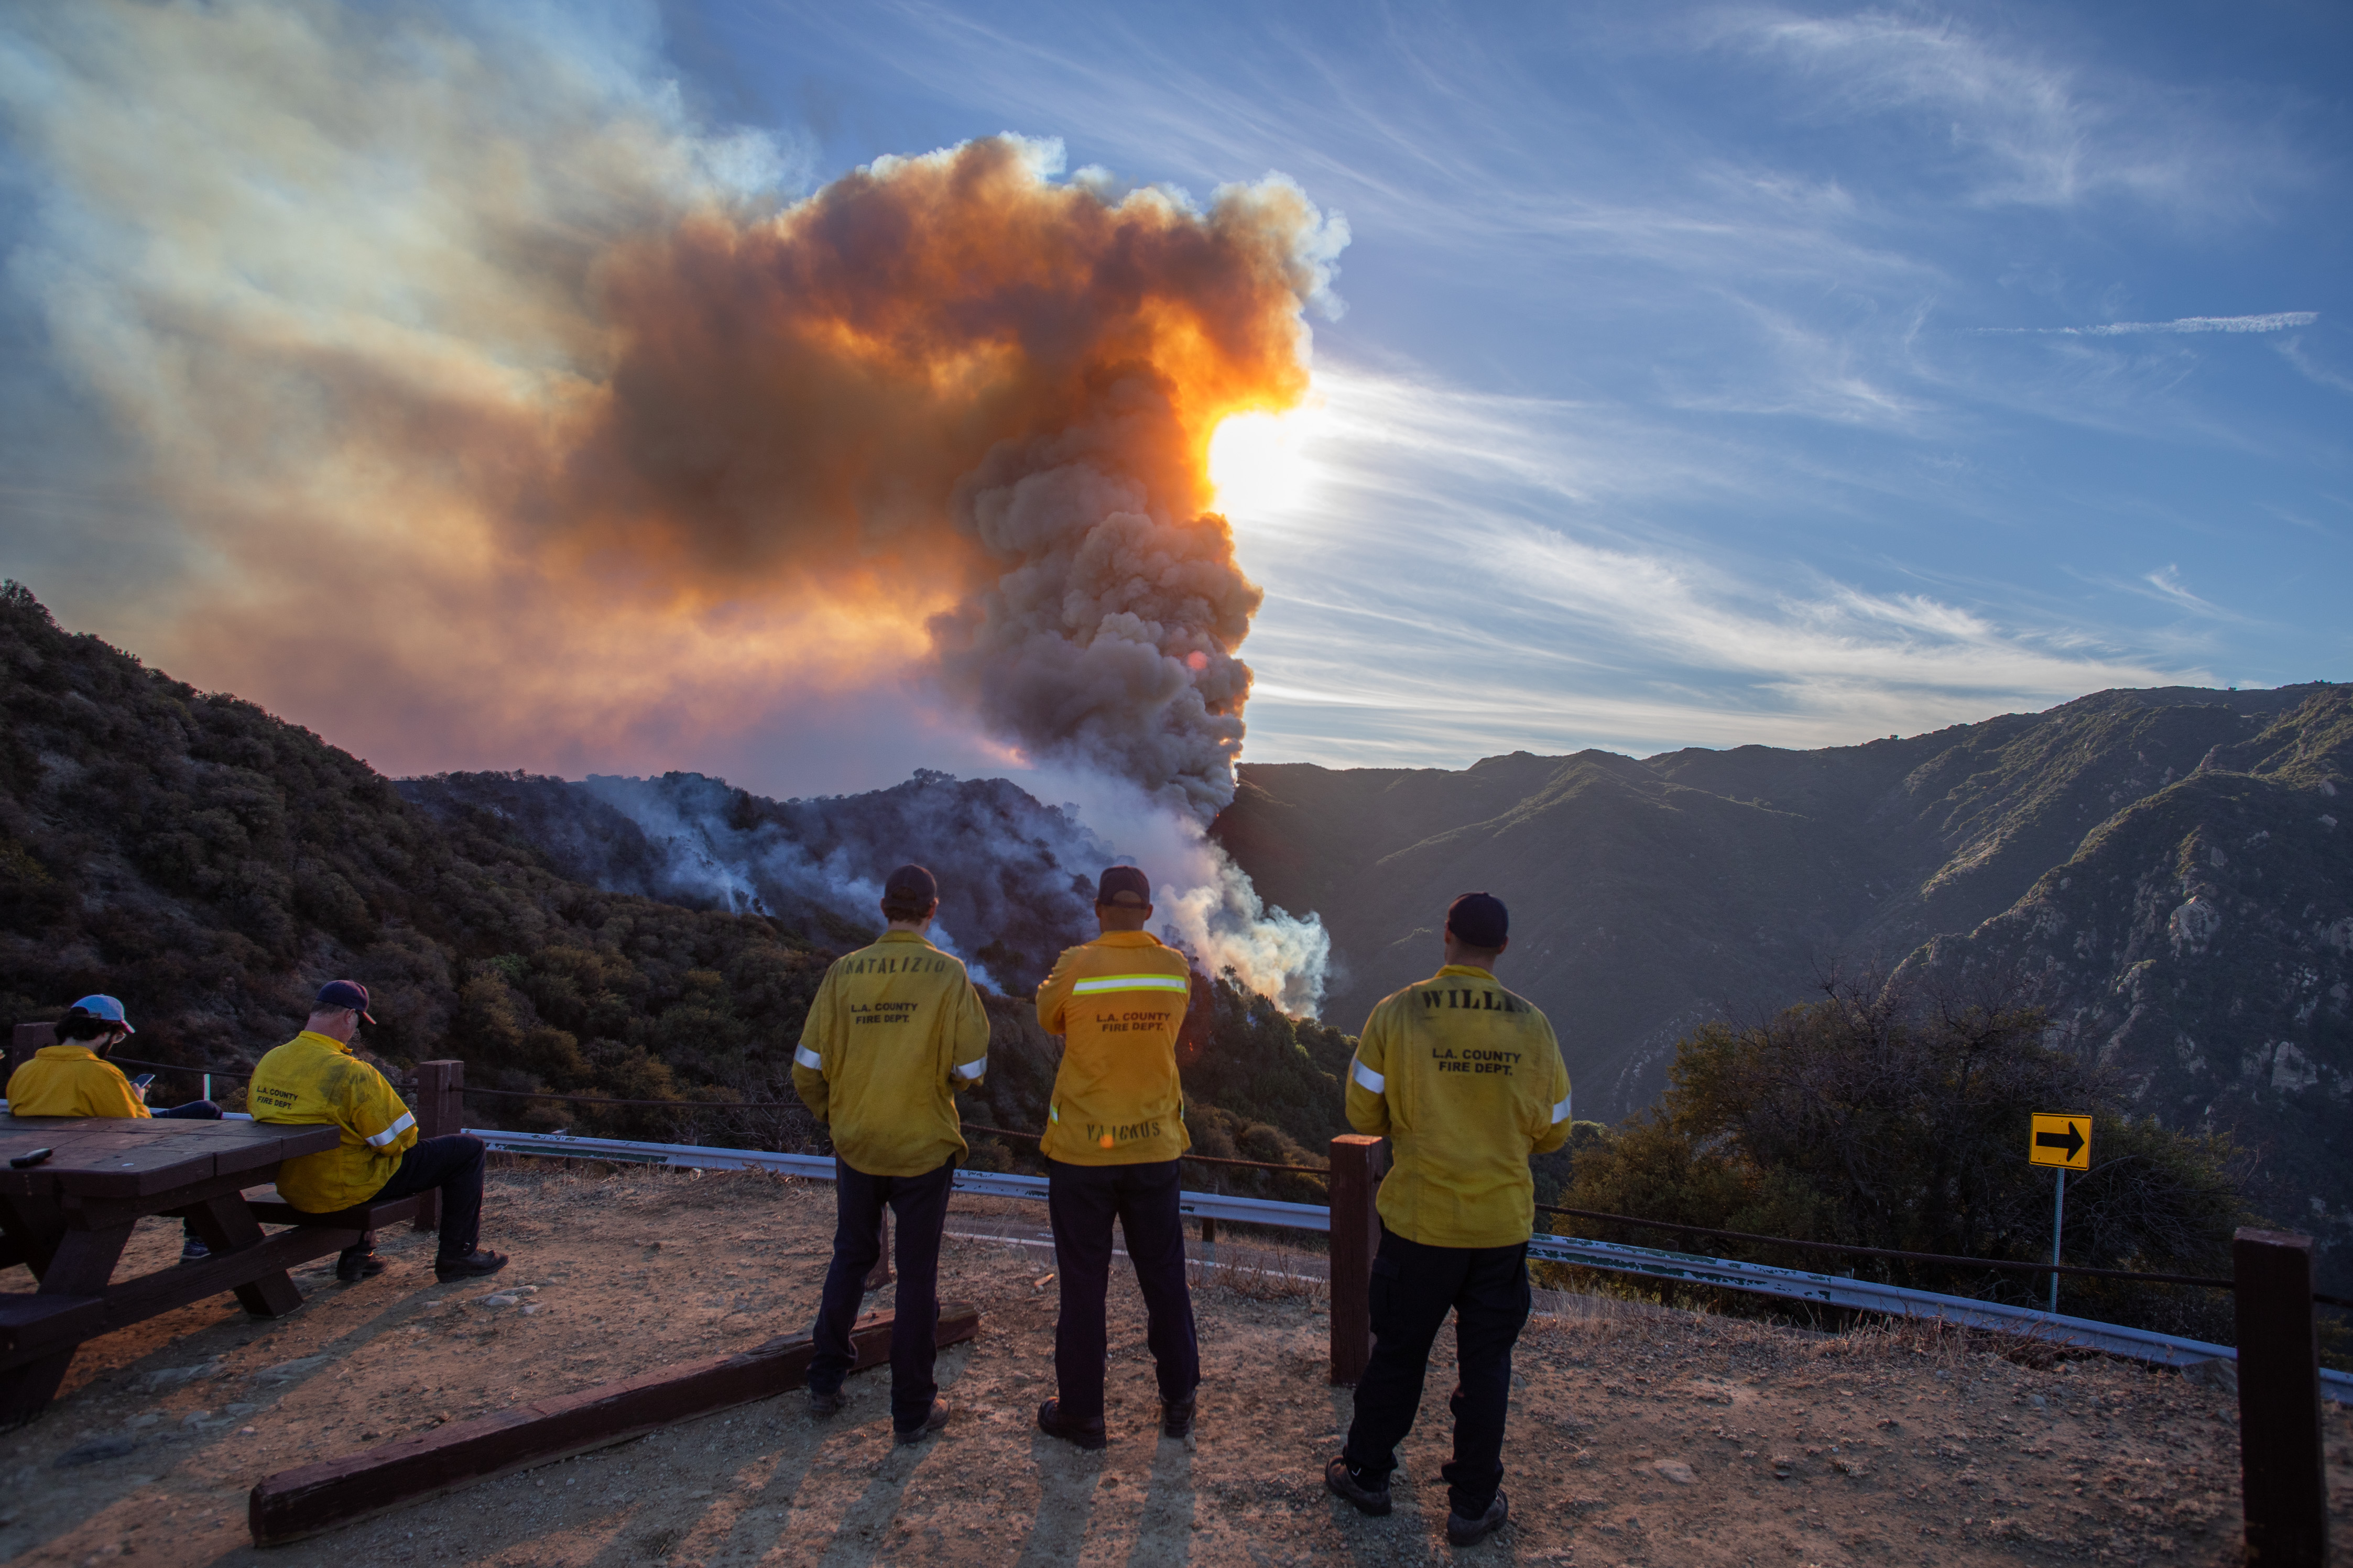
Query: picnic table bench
[68,1218]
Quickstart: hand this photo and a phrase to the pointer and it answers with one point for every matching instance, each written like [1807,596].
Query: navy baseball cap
[338,994]
[105,1007]
[1479,920]
[1124,888]
[912,885]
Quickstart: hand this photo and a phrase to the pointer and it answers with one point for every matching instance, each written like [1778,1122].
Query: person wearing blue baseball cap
[73,1077]
[314,1078]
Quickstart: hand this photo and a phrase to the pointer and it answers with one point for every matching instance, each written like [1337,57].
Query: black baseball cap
[911,886]
[1124,888]
[1479,920]
[338,994]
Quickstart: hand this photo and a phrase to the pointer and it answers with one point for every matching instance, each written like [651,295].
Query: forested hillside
[211,864]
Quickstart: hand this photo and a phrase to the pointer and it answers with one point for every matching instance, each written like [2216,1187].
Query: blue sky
[1706,374]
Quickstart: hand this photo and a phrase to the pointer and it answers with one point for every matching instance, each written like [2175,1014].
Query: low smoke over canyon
[507,416]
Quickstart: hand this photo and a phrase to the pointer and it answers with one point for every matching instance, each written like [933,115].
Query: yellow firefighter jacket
[1118,1001]
[896,1029]
[314,1078]
[71,1080]
[1466,1080]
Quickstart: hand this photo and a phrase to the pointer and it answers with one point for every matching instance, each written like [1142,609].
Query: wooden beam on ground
[309,1498]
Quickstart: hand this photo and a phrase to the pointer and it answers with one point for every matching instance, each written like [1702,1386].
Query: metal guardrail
[1679,1268]
[1837,1291]
[819,1167]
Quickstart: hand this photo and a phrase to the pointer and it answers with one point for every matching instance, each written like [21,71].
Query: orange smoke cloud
[495,415]
[946,382]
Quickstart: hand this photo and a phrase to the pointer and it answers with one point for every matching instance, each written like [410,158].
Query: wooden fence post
[27,1039]
[440,1111]
[1355,1237]
[2286,1490]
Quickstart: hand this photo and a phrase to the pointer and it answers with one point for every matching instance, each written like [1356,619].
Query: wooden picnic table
[69,1217]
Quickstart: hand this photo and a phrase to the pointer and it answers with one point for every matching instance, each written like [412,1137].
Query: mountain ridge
[1652,894]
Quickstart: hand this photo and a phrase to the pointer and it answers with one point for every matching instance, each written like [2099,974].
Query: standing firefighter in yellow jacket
[1466,1080]
[314,1079]
[895,1031]
[1113,1130]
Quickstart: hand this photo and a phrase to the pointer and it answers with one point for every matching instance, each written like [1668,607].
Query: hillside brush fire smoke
[637,452]
[1017,876]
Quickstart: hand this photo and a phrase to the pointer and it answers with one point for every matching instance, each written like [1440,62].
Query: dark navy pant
[1082,1200]
[921,1207]
[454,1165]
[1413,1289]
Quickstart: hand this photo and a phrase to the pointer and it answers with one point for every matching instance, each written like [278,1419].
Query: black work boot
[1087,1435]
[932,1423]
[1176,1417]
[474,1265]
[1343,1483]
[355,1264]
[1461,1532]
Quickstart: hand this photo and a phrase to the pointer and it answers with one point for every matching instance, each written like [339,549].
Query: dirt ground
[1639,1438]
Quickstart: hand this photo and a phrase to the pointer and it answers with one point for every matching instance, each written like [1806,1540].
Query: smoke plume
[1017,876]
[498,413]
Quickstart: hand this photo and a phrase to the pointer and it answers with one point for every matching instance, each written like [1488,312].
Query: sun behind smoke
[1257,464]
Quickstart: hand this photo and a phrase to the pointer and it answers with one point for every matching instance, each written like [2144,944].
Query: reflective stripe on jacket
[71,1080]
[895,1030]
[1466,1080]
[1118,1001]
[314,1078]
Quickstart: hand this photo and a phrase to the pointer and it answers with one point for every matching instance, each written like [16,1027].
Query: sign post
[2061,1140]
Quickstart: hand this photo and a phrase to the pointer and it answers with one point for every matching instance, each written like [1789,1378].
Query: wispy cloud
[1442,598]
[2277,322]
[2019,127]
[2169,587]
[2312,370]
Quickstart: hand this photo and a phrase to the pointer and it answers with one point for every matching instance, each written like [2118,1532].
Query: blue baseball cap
[340,994]
[105,1007]
[1479,920]
[1124,888]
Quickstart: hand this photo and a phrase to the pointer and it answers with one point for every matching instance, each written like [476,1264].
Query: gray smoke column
[1109,647]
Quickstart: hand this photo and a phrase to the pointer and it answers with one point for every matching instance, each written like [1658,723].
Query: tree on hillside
[1896,1115]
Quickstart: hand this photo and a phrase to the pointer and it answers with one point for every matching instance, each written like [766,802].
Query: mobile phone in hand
[139,1085]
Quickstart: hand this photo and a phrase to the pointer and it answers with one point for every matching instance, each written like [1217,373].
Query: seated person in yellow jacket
[313,1078]
[1466,1080]
[73,1077]
[1113,1130]
[895,1030]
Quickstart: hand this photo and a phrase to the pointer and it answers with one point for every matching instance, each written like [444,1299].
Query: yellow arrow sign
[2061,1139]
